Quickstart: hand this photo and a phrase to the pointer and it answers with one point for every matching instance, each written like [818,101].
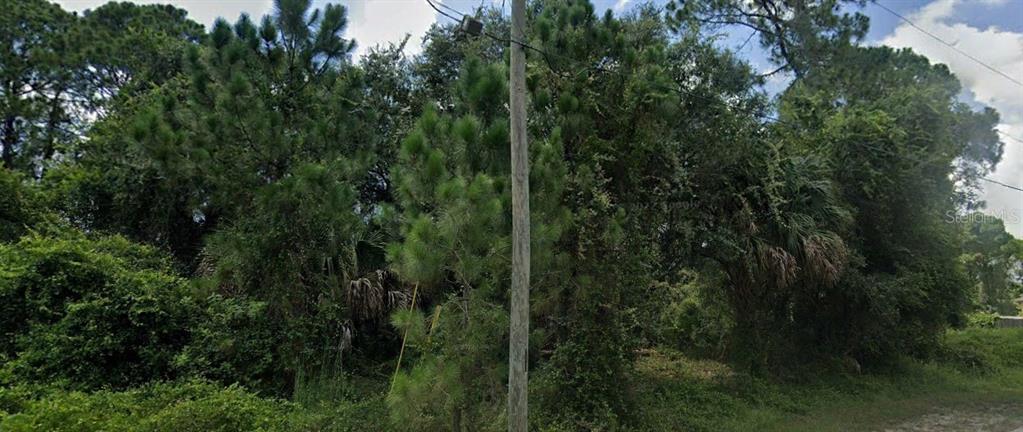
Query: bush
[89,312]
[981,320]
[966,358]
[129,199]
[877,318]
[689,320]
[100,311]
[983,349]
[369,414]
[234,342]
[193,406]
[213,410]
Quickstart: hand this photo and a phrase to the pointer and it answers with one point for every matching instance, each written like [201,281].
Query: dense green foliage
[252,208]
[903,283]
[192,406]
[677,393]
[92,312]
[994,260]
[59,70]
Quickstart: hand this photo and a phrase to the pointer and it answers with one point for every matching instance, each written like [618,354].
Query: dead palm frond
[777,265]
[825,257]
[375,295]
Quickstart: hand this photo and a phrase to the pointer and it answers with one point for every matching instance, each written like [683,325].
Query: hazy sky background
[990,30]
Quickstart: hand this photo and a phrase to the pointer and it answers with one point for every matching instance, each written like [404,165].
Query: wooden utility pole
[518,345]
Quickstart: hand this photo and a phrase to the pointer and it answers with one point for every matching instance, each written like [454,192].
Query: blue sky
[990,30]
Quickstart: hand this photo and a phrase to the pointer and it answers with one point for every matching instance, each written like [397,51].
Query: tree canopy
[251,204]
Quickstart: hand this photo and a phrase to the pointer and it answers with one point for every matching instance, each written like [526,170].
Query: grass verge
[977,368]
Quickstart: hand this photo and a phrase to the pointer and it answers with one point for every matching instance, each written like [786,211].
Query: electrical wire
[1001,184]
[763,116]
[766,117]
[750,37]
[935,37]
[441,3]
[952,46]
[967,55]
[496,37]
[1009,136]
[442,12]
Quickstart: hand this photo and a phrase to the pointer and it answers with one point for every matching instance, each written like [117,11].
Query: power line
[1001,184]
[748,38]
[450,8]
[1009,136]
[935,37]
[763,116]
[767,118]
[442,12]
[495,37]
[546,57]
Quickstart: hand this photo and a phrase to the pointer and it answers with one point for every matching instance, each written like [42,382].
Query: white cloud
[371,22]
[202,11]
[1003,50]
[621,4]
[377,22]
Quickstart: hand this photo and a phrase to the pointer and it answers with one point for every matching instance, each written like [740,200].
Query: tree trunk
[10,138]
[51,127]
[456,419]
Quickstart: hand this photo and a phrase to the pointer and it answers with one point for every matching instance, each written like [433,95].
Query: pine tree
[453,213]
[37,64]
[60,71]
[592,226]
[270,141]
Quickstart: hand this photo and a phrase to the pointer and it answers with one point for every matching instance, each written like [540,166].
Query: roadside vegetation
[245,229]
[670,391]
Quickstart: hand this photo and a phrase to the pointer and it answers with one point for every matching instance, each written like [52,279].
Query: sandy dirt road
[994,418]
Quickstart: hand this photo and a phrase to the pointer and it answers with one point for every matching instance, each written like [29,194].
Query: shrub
[193,406]
[966,357]
[211,409]
[690,320]
[89,312]
[995,348]
[877,318]
[981,319]
[189,406]
[101,311]
[234,342]
[369,414]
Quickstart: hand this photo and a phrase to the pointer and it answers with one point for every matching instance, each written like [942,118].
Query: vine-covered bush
[192,406]
[89,312]
[185,406]
[233,342]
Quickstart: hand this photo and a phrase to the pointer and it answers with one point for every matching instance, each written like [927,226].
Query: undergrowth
[669,390]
